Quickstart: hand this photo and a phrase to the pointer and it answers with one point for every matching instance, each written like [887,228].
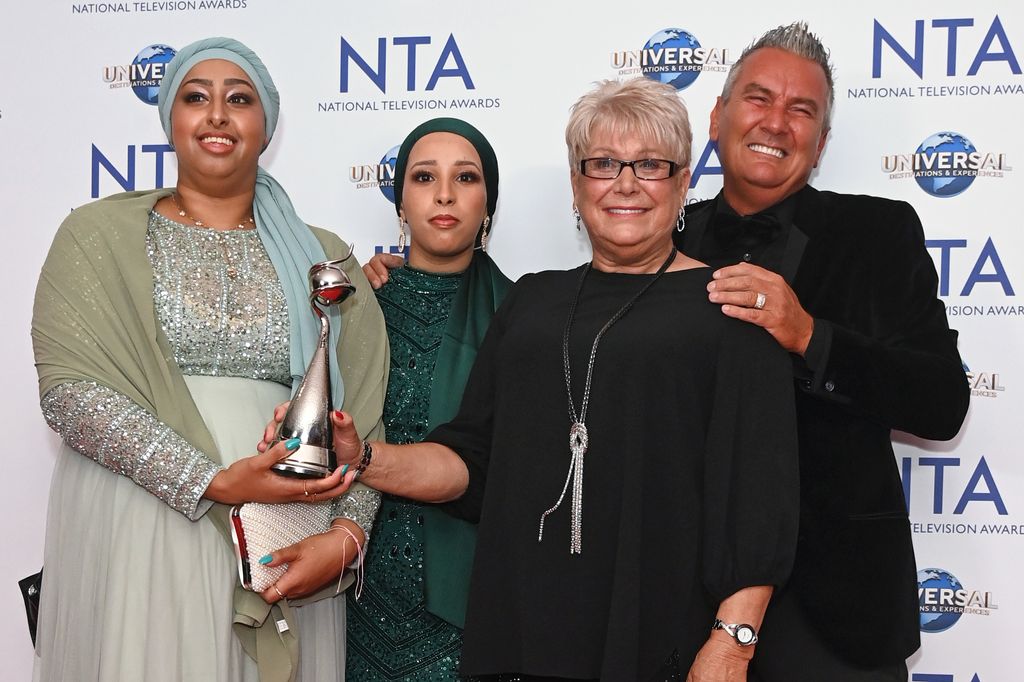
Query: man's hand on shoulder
[376,270]
[753,294]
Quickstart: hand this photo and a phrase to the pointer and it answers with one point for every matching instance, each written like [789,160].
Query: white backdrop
[72,128]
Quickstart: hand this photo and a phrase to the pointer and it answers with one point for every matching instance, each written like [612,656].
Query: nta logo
[994,46]
[449,62]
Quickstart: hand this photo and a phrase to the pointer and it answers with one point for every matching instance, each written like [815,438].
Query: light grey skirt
[133,590]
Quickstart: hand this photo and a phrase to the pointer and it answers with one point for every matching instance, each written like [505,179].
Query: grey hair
[796,39]
[638,106]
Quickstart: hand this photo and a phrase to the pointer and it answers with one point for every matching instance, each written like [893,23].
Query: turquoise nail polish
[344,469]
[266,559]
[292,443]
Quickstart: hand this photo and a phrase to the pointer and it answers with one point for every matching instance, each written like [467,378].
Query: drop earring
[579,220]
[681,220]
[483,233]
[403,238]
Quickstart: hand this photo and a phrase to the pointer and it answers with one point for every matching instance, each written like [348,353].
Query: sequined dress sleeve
[121,435]
[222,308]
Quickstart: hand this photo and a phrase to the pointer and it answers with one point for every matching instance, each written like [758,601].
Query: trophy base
[309,461]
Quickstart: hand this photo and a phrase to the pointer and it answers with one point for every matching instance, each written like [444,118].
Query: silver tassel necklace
[579,438]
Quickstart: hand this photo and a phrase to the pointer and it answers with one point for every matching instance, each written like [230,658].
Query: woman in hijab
[408,622]
[659,561]
[166,324]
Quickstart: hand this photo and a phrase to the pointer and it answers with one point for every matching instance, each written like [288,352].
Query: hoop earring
[483,233]
[402,236]
[681,220]
[579,220]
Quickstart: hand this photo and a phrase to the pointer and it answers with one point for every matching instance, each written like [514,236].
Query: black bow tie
[748,232]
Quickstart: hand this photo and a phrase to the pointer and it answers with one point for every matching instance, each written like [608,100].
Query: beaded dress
[149,576]
[391,636]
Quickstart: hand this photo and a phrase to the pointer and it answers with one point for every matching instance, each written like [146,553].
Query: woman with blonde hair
[628,451]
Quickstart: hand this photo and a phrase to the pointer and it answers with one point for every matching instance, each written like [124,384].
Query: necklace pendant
[579,438]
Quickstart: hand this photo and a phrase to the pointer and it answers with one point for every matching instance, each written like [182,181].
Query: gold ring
[760,300]
[279,594]
[304,491]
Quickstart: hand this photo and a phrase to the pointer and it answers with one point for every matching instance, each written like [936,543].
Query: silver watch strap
[744,634]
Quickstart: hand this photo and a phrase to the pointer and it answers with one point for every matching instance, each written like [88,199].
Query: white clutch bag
[258,529]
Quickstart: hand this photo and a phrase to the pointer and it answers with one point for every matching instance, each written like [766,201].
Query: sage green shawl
[94,320]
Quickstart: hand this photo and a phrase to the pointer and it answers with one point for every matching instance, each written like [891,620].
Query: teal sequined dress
[391,636]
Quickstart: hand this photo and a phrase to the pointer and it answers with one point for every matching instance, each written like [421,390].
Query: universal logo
[673,56]
[380,175]
[984,384]
[945,164]
[943,600]
[144,73]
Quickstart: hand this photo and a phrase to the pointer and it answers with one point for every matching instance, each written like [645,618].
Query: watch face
[744,634]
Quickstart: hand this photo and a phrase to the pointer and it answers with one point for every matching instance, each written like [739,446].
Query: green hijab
[449,543]
[458,127]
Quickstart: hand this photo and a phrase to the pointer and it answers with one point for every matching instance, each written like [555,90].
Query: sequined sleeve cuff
[115,432]
[359,505]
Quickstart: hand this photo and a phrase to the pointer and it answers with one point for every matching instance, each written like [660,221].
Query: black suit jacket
[859,266]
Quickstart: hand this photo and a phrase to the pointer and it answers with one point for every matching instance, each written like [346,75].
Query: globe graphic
[387,178]
[946,184]
[148,88]
[932,619]
[680,76]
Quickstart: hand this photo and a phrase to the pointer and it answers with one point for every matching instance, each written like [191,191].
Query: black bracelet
[365,461]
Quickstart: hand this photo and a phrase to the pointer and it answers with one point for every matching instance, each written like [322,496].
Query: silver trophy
[309,416]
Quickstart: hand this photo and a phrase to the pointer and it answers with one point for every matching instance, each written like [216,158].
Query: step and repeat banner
[927,101]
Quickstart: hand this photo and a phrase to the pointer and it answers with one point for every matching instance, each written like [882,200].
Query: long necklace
[244,225]
[579,438]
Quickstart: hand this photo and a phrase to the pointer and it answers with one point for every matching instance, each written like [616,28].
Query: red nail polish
[339,414]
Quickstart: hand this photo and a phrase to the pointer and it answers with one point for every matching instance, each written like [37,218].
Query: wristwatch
[745,635]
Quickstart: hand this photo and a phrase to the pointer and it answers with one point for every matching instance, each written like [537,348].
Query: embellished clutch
[258,529]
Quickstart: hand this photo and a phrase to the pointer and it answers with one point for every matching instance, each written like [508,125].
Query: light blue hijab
[289,242]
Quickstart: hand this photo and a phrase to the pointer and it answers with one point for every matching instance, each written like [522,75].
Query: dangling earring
[681,220]
[402,236]
[483,233]
[579,220]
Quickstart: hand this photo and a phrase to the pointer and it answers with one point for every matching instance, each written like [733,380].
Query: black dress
[690,485]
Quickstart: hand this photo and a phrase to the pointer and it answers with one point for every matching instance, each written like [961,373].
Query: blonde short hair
[639,106]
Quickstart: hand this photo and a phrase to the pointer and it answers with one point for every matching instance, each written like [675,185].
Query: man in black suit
[845,284]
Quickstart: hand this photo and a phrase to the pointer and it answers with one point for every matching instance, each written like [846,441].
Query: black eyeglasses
[643,169]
